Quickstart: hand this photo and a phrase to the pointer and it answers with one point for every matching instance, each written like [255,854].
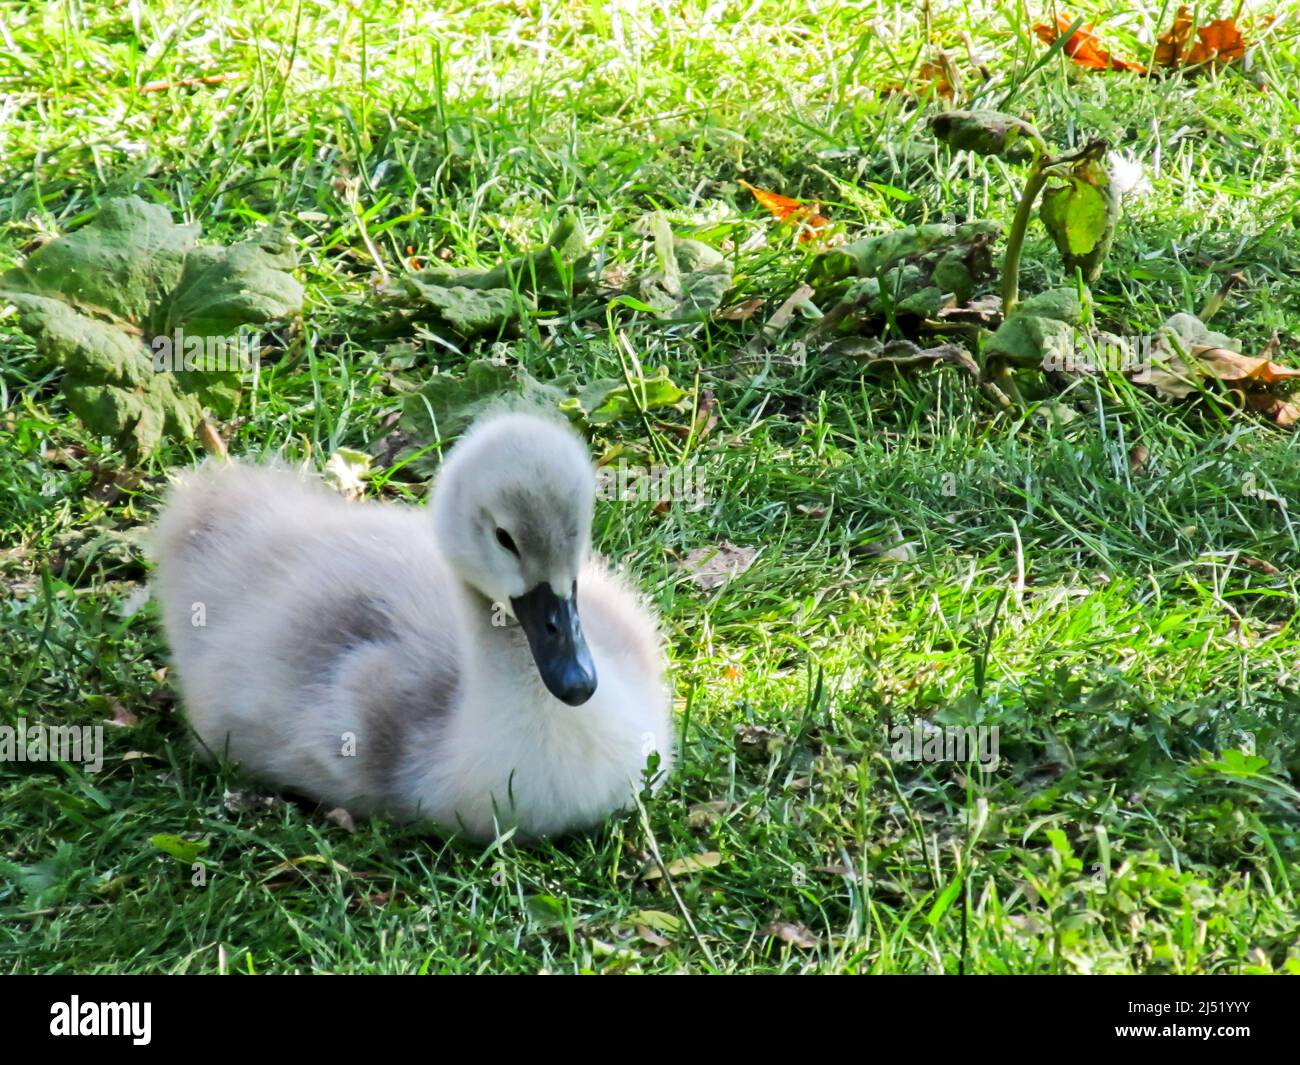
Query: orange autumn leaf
[784,209]
[1281,411]
[1171,47]
[1083,46]
[1220,42]
[1232,366]
[927,75]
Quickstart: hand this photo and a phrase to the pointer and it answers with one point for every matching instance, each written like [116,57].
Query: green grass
[1123,624]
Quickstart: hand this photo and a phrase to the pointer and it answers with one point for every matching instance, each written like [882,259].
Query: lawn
[1106,576]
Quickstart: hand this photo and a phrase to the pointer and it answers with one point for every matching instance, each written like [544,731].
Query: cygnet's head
[512,511]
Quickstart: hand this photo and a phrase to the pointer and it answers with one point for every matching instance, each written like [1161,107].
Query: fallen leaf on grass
[447,403]
[903,354]
[1281,412]
[1184,351]
[605,401]
[794,212]
[654,919]
[703,814]
[1220,42]
[899,266]
[756,743]
[469,302]
[341,817]
[691,278]
[711,567]
[929,75]
[1171,47]
[692,863]
[795,935]
[183,850]
[1083,46]
[984,311]
[652,937]
[741,312]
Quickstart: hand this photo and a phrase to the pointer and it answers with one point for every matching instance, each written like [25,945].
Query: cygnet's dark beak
[555,638]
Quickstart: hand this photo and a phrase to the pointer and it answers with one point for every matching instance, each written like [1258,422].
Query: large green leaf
[1081,214]
[102,301]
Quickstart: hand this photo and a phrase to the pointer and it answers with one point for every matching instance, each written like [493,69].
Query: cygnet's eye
[503,538]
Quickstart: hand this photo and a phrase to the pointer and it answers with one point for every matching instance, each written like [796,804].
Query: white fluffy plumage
[368,655]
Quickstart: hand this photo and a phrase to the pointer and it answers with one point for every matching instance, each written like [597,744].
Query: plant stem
[1016,238]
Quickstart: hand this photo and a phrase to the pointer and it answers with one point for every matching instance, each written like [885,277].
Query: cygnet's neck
[495,646]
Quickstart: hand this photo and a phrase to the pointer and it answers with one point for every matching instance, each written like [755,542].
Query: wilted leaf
[1081,214]
[870,257]
[656,919]
[929,75]
[983,311]
[97,299]
[1041,328]
[446,404]
[1282,412]
[986,133]
[546,271]
[1220,42]
[608,400]
[741,312]
[468,312]
[903,354]
[795,212]
[691,279]
[1184,352]
[692,863]
[1083,46]
[470,302]
[795,935]
[712,567]
[183,850]
[756,743]
[346,472]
